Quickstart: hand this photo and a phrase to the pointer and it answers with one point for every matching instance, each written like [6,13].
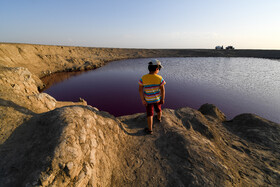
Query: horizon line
[64,45]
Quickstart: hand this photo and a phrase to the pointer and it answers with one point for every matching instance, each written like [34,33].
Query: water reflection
[58,77]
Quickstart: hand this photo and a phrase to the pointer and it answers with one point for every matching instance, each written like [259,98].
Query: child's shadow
[134,124]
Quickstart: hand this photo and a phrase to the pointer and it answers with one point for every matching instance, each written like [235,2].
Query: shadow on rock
[28,151]
[135,124]
[184,162]
[21,109]
[174,152]
[256,130]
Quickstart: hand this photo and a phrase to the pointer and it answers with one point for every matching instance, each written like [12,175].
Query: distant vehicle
[219,47]
[229,48]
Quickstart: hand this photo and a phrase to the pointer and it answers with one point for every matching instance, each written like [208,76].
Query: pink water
[235,85]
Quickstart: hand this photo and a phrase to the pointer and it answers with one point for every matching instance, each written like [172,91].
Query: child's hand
[144,103]
[161,101]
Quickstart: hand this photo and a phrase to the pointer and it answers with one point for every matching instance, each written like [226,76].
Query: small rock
[212,110]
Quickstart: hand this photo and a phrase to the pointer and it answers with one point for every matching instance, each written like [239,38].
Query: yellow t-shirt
[151,84]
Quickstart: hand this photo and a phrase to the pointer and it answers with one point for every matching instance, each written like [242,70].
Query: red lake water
[234,85]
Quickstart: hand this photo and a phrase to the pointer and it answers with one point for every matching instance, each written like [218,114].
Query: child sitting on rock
[152,92]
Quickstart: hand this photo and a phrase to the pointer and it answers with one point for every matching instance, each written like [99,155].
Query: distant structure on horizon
[230,48]
[222,47]
[219,47]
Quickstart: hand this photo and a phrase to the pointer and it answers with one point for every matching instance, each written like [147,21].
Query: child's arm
[142,95]
[162,94]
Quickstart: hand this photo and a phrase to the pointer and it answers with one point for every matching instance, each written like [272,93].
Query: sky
[190,24]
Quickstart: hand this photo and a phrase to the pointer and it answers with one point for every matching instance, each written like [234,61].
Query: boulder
[212,110]
[66,146]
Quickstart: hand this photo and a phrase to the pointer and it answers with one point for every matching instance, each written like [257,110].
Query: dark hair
[153,67]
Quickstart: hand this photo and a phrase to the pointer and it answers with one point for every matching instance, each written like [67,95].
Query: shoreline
[45,60]
[70,58]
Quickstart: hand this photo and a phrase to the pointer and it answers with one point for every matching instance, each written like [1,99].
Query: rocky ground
[45,142]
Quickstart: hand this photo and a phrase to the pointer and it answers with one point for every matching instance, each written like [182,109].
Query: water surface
[235,85]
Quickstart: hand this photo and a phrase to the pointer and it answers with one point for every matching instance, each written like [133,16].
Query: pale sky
[245,24]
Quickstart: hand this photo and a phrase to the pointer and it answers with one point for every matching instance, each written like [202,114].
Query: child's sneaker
[148,131]
[158,119]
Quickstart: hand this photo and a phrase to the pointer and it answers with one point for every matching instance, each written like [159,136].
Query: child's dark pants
[150,108]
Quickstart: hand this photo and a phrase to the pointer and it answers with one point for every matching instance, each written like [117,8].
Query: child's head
[154,65]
